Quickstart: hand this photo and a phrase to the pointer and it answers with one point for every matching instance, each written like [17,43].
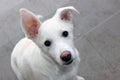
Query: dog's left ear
[65,13]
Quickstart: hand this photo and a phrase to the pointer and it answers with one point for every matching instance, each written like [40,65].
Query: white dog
[47,52]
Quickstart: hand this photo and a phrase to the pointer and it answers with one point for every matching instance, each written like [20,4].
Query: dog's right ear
[30,23]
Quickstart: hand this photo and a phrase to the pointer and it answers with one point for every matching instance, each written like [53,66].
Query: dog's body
[34,65]
[48,51]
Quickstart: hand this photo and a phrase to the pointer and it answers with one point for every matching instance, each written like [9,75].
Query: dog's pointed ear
[65,13]
[30,23]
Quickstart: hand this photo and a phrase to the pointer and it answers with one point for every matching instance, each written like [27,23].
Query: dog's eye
[65,33]
[47,43]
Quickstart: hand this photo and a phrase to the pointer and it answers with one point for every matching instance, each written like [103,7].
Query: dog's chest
[53,73]
[50,71]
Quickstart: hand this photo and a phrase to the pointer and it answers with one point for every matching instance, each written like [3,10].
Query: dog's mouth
[69,62]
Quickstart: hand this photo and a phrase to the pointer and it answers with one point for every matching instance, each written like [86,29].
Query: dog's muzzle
[66,57]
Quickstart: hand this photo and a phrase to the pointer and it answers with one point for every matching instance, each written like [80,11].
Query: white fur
[32,60]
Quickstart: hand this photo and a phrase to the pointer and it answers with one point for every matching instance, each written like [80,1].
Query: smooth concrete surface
[97,34]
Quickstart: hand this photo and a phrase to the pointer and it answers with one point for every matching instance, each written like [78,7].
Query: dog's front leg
[79,78]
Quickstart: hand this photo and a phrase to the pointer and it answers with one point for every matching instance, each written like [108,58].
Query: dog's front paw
[80,78]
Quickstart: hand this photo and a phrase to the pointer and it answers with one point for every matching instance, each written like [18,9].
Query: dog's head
[54,36]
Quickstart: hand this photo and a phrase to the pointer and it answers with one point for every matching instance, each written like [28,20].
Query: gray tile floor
[97,34]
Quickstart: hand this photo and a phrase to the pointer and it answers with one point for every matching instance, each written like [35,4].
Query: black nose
[66,56]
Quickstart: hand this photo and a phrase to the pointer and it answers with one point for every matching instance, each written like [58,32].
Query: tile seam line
[106,61]
[99,53]
[8,37]
[82,36]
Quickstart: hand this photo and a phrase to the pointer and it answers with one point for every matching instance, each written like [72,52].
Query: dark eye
[65,34]
[47,43]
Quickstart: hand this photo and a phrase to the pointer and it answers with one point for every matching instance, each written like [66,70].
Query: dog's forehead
[52,25]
